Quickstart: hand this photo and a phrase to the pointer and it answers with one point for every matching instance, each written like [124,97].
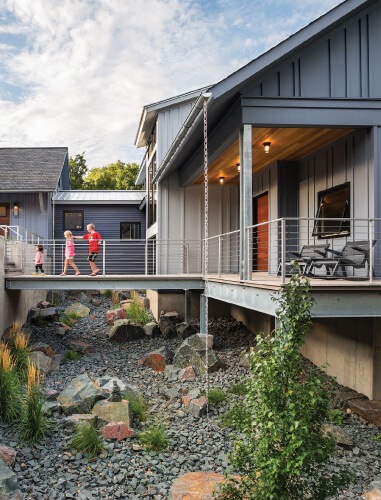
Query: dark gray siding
[345,63]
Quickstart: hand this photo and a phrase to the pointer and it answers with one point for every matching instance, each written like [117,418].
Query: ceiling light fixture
[238,167]
[222,180]
[266,147]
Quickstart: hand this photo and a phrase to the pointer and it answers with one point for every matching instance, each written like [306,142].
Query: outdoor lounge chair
[354,254]
[304,258]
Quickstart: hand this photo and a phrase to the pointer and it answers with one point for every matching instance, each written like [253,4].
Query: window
[333,204]
[73,220]
[130,230]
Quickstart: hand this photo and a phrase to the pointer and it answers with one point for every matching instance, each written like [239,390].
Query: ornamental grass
[9,385]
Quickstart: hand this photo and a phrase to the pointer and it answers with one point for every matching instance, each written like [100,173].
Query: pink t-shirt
[39,259]
[69,249]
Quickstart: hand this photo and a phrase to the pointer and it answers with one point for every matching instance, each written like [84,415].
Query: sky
[77,73]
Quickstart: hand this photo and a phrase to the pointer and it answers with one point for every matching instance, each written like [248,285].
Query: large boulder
[113,411]
[37,316]
[151,329]
[77,309]
[374,490]
[185,330]
[159,359]
[195,486]
[8,483]
[123,331]
[192,352]
[44,363]
[80,395]
[167,324]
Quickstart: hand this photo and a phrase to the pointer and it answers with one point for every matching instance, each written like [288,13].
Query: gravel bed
[51,470]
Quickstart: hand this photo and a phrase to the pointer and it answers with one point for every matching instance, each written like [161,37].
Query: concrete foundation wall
[255,321]
[14,304]
[350,350]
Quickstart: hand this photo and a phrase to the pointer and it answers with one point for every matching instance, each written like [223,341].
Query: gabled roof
[106,197]
[148,116]
[31,169]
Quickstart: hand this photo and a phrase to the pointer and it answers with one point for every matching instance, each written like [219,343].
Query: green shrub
[239,389]
[335,417]
[154,437]
[138,405]
[216,396]
[34,422]
[67,321]
[10,390]
[137,313]
[107,294]
[283,453]
[72,356]
[20,352]
[235,417]
[87,439]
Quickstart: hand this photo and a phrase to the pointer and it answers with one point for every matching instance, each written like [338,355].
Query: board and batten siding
[345,63]
[169,123]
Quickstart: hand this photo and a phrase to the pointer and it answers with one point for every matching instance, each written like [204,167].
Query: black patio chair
[307,254]
[354,254]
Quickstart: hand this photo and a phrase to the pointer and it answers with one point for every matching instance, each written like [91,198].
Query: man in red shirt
[94,246]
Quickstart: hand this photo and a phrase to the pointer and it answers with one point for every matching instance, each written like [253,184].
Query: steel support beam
[187,302]
[246,201]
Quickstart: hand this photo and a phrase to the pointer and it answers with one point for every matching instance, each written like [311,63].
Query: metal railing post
[283,251]
[104,256]
[371,253]
[249,266]
[219,255]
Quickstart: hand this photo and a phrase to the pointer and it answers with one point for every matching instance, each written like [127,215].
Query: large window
[333,210]
[73,220]
[130,230]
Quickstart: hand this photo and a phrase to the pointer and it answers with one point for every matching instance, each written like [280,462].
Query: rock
[37,316]
[187,374]
[44,304]
[80,395]
[44,363]
[167,324]
[117,430]
[185,330]
[170,393]
[339,434]
[208,339]
[42,347]
[49,394]
[115,314]
[51,407]
[107,383]
[369,410]
[108,411]
[192,352]
[171,373]
[72,421]
[80,346]
[158,360]
[122,331]
[62,328]
[197,407]
[7,455]
[195,486]
[8,481]
[77,309]
[374,490]
[151,329]
[125,304]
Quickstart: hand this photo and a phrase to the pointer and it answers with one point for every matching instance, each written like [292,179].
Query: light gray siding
[344,63]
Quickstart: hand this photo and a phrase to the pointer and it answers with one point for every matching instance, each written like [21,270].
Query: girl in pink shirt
[69,254]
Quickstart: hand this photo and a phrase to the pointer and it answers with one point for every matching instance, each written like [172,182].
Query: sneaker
[35,274]
[42,274]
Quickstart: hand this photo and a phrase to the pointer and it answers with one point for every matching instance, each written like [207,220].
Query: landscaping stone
[374,490]
[197,407]
[158,360]
[123,331]
[192,352]
[185,330]
[81,346]
[80,395]
[44,363]
[115,314]
[72,421]
[77,309]
[339,434]
[117,430]
[110,411]
[369,410]
[187,374]
[208,339]
[8,482]
[151,329]
[37,315]
[167,324]
[43,347]
[195,486]
[7,455]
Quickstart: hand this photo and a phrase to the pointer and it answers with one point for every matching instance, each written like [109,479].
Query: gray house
[29,179]
[293,157]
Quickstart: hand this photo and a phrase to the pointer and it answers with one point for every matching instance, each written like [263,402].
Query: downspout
[194,117]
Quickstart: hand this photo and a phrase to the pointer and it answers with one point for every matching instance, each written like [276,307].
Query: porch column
[202,313]
[375,158]
[246,199]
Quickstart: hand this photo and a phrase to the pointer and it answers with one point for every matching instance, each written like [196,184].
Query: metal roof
[31,169]
[100,197]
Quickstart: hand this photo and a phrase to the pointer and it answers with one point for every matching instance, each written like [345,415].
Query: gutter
[190,123]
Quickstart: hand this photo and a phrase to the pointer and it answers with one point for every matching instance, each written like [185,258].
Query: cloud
[87,67]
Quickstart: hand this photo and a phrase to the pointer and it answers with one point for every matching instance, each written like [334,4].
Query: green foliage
[87,440]
[33,422]
[236,417]
[280,450]
[117,175]
[10,390]
[138,405]
[20,353]
[239,389]
[137,313]
[216,396]
[78,169]
[40,320]
[377,437]
[72,356]
[335,417]
[154,438]
[107,294]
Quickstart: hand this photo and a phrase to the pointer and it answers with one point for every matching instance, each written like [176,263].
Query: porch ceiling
[287,144]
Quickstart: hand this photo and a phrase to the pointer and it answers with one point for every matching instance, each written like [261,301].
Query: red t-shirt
[94,239]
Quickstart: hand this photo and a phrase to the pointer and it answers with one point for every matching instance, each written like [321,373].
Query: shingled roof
[31,169]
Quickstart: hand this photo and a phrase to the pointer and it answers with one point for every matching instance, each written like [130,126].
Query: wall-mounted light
[222,180]
[16,209]
[238,167]
[266,147]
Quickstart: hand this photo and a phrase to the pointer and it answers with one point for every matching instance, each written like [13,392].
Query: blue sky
[77,73]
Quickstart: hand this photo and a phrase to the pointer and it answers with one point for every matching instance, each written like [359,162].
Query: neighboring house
[119,216]
[292,136]
[29,178]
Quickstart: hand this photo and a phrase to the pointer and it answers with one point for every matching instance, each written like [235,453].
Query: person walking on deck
[69,254]
[94,239]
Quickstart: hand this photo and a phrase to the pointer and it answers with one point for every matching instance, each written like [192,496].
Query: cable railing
[224,253]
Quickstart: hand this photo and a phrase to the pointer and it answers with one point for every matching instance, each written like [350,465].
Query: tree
[78,169]
[117,175]
[281,450]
